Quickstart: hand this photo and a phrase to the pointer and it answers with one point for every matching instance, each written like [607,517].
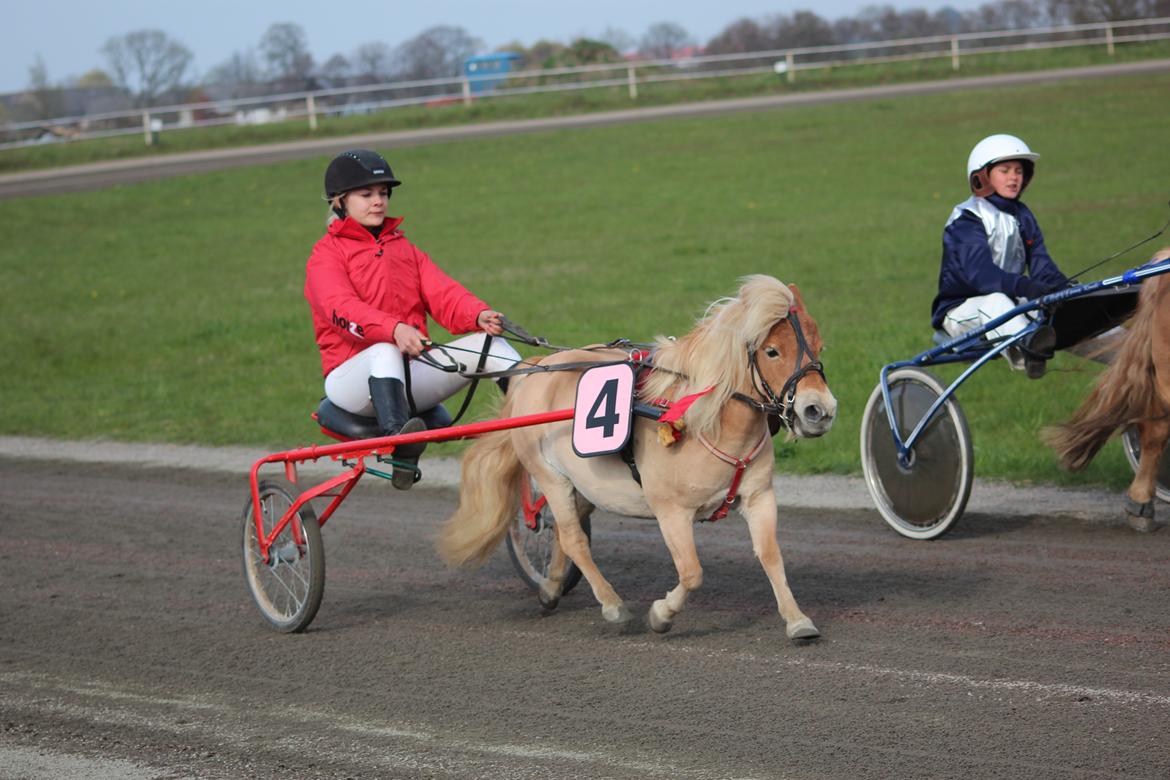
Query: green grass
[556,104]
[172,310]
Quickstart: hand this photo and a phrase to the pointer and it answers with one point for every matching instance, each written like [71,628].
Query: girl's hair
[335,209]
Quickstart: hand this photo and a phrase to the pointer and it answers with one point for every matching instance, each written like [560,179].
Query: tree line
[154,68]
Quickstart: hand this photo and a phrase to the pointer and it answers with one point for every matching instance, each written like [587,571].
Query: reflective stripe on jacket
[969,266]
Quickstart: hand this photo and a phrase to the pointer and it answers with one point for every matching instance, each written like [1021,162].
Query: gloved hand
[1034,288]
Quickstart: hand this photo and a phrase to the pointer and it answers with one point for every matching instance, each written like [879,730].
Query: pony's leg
[760,512]
[1139,508]
[677,526]
[573,542]
[558,565]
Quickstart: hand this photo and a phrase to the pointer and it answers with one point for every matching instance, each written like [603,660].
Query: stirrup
[405,475]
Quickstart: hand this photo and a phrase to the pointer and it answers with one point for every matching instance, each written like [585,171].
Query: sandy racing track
[129,647]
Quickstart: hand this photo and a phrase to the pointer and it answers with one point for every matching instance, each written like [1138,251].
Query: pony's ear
[797,301]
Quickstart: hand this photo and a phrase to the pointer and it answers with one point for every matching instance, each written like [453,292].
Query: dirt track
[129,648]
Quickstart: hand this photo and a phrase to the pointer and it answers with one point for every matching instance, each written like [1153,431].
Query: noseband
[783,406]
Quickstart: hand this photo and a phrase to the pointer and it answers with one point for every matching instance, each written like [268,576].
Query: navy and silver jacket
[988,245]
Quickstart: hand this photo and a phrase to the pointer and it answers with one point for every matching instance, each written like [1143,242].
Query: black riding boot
[1038,349]
[393,411]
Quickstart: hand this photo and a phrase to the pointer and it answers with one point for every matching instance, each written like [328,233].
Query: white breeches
[976,312]
[347,386]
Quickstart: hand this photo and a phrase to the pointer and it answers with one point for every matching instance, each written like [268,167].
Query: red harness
[740,465]
[674,410]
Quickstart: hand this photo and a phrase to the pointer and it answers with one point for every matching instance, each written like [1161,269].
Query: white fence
[788,63]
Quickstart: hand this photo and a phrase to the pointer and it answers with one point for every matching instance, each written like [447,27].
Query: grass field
[556,104]
[172,310]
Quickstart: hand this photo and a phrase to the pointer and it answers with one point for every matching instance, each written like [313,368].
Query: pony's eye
[772,352]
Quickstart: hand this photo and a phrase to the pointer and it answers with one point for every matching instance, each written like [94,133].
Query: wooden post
[146,128]
[1109,40]
[632,82]
[466,91]
[955,53]
[311,110]
[790,61]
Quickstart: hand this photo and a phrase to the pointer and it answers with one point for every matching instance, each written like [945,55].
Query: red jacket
[360,287]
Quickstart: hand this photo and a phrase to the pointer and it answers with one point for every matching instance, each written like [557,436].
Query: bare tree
[44,98]
[619,39]
[238,70]
[434,53]
[741,36]
[285,49]
[663,39]
[1086,11]
[372,60]
[336,69]
[148,63]
[804,28]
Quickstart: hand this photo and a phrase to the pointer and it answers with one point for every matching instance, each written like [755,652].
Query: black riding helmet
[357,168]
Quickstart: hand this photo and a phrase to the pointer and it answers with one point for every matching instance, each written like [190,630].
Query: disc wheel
[531,550]
[924,498]
[287,588]
[1132,444]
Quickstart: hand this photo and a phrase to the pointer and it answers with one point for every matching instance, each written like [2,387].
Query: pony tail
[489,498]
[1120,397]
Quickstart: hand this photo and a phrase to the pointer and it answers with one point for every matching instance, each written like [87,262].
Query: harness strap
[740,465]
[483,355]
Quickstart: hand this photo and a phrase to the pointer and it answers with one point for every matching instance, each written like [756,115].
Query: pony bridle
[783,406]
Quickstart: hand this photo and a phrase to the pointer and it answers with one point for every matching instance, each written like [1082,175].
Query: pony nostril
[813,413]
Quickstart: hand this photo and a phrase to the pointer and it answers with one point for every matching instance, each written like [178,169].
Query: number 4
[608,419]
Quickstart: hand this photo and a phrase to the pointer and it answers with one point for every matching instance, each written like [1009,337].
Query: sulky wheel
[287,587]
[924,498]
[531,550]
[1132,444]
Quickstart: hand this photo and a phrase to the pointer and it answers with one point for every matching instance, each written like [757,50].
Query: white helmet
[993,149]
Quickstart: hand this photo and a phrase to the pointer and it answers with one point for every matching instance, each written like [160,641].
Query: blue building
[486,71]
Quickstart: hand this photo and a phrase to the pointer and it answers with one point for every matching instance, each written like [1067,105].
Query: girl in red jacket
[370,291]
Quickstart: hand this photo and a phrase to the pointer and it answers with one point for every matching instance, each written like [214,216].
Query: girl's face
[367,204]
[1007,178]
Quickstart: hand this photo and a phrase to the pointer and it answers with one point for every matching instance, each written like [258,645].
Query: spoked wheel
[288,586]
[1132,444]
[922,499]
[531,550]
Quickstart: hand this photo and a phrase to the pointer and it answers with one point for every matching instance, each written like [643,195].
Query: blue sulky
[923,500]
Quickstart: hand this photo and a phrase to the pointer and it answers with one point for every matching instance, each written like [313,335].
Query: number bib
[603,413]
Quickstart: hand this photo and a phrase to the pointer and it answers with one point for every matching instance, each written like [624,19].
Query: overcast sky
[68,34]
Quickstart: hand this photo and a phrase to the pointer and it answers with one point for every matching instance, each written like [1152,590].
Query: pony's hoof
[802,629]
[548,600]
[658,624]
[1140,516]
[616,614]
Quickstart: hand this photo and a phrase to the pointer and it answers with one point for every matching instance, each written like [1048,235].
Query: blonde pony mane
[715,352]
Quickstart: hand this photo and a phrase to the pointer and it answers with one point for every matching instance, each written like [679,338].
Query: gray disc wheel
[531,550]
[1132,445]
[287,588]
[922,499]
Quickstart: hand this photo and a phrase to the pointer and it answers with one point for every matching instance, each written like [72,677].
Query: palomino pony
[1134,390]
[741,349]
